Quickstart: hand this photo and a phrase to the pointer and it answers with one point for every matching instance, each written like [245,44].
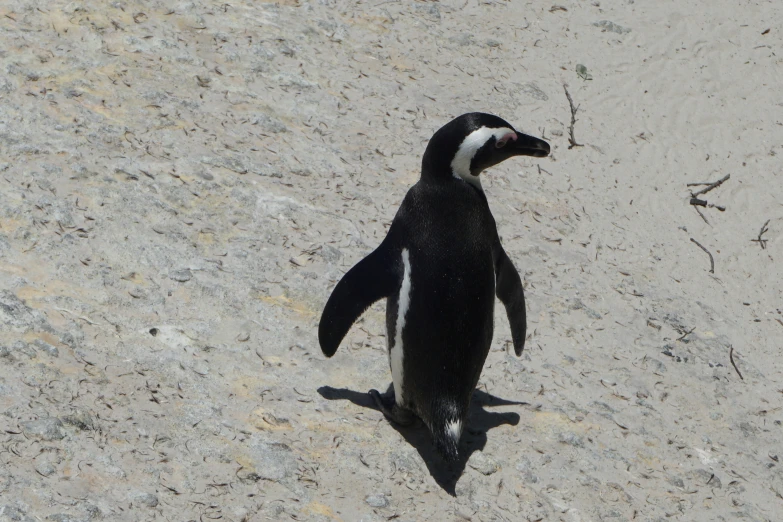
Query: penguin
[440,267]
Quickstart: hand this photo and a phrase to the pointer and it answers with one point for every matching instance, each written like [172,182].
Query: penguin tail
[447,442]
[446,428]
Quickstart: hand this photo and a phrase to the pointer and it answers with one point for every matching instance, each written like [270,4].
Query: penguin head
[476,141]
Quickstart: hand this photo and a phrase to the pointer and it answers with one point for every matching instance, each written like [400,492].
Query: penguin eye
[500,144]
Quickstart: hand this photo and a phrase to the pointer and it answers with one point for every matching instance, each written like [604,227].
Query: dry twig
[702,215]
[712,261]
[571,140]
[762,242]
[686,334]
[731,358]
[696,202]
[710,186]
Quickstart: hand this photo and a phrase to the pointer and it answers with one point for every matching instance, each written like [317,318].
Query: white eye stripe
[460,165]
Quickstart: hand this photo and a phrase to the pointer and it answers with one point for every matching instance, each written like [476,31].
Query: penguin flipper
[508,288]
[371,279]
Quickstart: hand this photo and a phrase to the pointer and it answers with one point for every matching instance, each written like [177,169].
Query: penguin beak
[526,145]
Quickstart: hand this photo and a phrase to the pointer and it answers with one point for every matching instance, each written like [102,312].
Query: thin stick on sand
[762,242]
[712,261]
[731,358]
[571,140]
[709,186]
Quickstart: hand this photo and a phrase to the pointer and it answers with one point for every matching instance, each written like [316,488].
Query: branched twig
[686,334]
[712,261]
[762,242]
[710,186]
[696,202]
[731,357]
[571,140]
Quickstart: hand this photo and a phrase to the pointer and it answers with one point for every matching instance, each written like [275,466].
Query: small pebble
[607,25]
[676,482]
[46,429]
[146,499]
[483,463]
[571,438]
[377,501]
[45,468]
[137,293]
[181,276]
[201,368]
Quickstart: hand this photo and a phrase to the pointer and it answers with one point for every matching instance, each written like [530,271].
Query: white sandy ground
[206,171]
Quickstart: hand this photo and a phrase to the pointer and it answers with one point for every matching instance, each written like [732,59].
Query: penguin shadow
[474,437]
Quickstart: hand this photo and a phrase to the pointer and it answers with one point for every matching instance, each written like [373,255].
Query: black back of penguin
[448,232]
[440,266]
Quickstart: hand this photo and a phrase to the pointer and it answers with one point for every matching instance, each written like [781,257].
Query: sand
[182,184]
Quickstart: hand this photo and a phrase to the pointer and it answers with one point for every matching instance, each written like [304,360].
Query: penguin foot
[391,410]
